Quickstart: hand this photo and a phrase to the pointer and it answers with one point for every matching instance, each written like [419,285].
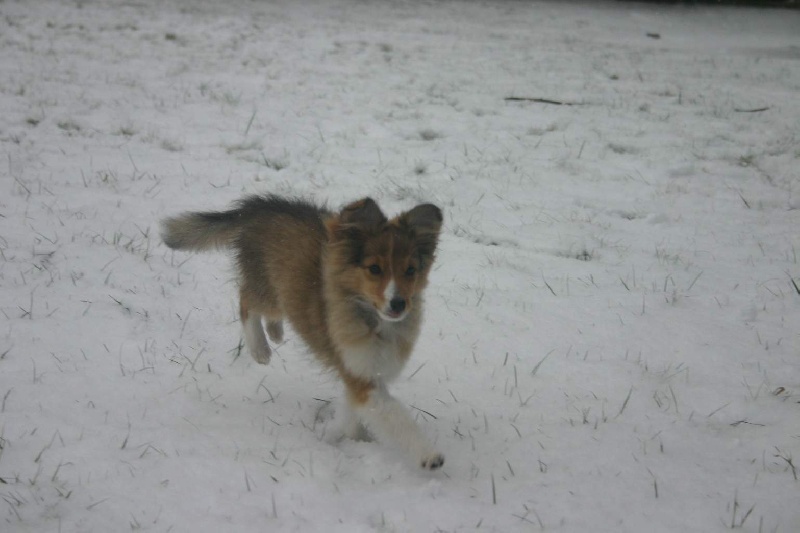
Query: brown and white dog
[350,283]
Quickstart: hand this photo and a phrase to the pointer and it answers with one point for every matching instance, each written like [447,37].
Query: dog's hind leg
[254,336]
[275,330]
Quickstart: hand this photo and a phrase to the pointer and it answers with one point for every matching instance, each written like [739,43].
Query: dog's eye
[375,270]
[410,271]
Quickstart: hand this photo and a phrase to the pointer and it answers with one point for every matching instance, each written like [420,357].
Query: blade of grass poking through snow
[789,461]
[794,284]
[414,373]
[718,409]
[5,397]
[250,122]
[424,411]
[625,403]
[744,201]
[694,281]
[542,360]
[548,285]
[95,504]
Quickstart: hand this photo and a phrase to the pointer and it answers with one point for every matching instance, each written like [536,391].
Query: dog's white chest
[378,359]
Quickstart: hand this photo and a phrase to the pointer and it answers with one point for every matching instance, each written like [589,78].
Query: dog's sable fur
[350,283]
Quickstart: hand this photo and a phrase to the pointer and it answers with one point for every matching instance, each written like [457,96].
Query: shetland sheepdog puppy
[350,283]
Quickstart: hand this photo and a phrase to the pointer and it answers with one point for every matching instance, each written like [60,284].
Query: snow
[611,339]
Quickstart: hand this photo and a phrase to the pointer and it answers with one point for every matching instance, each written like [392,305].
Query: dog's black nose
[397,305]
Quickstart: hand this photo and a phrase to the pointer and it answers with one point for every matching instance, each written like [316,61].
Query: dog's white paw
[261,353]
[433,461]
[336,433]
[342,424]
[359,433]
[325,412]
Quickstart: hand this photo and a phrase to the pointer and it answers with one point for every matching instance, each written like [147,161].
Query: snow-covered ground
[612,340]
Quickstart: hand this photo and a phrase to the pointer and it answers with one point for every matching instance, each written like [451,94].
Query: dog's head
[380,261]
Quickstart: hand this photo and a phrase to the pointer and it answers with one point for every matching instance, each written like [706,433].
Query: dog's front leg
[390,423]
[346,425]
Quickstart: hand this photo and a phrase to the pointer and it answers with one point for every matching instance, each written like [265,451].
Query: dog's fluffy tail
[221,229]
[201,231]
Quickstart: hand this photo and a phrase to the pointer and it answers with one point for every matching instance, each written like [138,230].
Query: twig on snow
[538,100]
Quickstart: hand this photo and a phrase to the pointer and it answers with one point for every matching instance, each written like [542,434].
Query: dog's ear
[425,218]
[348,229]
[362,214]
[424,223]
[355,219]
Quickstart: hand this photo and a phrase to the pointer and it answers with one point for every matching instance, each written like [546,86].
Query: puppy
[350,283]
